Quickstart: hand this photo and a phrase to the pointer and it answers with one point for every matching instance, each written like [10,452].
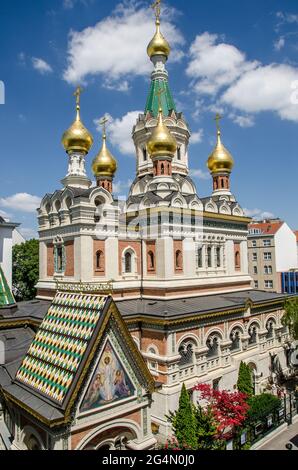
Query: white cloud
[120,131]
[116,46]
[22,202]
[248,86]
[5,215]
[41,66]
[70,4]
[197,137]
[243,121]
[28,233]
[258,214]
[214,65]
[268,88]
[200,174]
[120,186]
[279,43]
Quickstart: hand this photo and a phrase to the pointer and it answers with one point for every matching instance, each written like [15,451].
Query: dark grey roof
[16,342]
[173,308]
[32,309]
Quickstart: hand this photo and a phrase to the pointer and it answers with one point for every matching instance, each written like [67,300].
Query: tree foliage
[25,269]
[207,435]
[260,406]
[184,422]
[229,409]
[244,382]
[290,318]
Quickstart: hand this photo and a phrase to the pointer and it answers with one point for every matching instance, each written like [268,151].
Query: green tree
[290,318]
[184,422]
[25,269]
[260,406]
[244,382]
[206,429]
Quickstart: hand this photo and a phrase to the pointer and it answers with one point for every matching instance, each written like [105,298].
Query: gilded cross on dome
[156,7]
[218,118]
[77,94]
[103,123]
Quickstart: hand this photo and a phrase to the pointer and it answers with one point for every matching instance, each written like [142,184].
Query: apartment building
[272,252]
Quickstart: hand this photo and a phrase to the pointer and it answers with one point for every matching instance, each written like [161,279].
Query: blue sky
[234,57]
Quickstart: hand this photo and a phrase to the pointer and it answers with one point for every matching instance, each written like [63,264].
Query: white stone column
[189,257]
[111,258]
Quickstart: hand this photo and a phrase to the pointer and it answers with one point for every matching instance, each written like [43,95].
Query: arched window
[99,260]
[151,260]
[178,259]
[59,258]
[179,153]
[235,337]
[212,344]
[222,184]
[253,334]
[128,262]
[209,256]
[200,257]
[218,260]
[270,328]
[237,259]
[186,353]
[144,154]
[162,169]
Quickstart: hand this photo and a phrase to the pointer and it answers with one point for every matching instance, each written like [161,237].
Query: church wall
[69,254]
[50,260]
[135,246]
[99,245]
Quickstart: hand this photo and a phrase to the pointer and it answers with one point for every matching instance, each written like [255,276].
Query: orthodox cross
[158,94]
[156,7]
[77,94]
[218,118]
[103,123]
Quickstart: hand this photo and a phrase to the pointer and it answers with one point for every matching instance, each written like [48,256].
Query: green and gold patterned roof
[167,102]
[6,297]
[57,350]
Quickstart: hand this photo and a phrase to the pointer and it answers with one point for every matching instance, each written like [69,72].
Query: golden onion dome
[220,159]
[104,164]
[158,45]
[161,141]
[77,138]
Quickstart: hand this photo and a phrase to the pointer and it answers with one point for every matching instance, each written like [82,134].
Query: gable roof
[59,357]
[6,297]
[266,228]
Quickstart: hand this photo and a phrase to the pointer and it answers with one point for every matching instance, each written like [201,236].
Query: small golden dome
[158,45]
[161,141]
[104,164]
[220,159]
[77,138]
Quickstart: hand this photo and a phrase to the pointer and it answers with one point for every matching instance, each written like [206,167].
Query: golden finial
[156,8]
[77,137]
[158,45]
[220,159]
[218,118]
[103,123]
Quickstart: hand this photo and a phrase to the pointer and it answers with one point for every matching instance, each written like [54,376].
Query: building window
[200,257]
[270,329]
[267,256]
[256,284]
[209,257]
[212,344]
[253,334]
[128,262]
[144,155]
[59,258]
[254,243]
[179,153]
[151,261]
[255,270]
[218,260]
[255,256]
[235,337]
[178,259]
[268,284]
[237,260]
[99,260]
[186,354]
[266,242]
[267,269]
